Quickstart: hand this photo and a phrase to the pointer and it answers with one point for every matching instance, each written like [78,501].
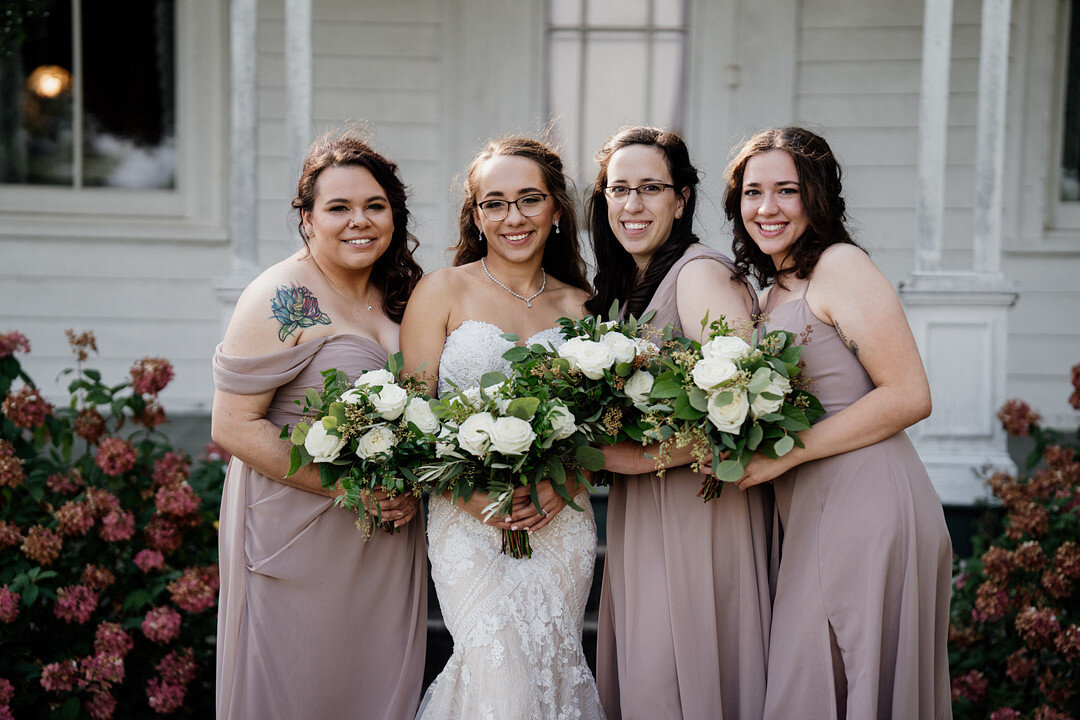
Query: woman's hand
[551,503]
[761,469]
[399,509]
[478,501]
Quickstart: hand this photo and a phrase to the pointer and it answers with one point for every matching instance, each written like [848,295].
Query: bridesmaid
[684,608]
[861,615]
[313,621]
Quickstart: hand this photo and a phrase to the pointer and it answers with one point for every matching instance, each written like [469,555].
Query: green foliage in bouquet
[108,549]
[365,436]
[729,398]
[1014,636]
[505,434]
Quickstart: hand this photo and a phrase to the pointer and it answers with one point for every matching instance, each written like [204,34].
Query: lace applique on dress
[516,624]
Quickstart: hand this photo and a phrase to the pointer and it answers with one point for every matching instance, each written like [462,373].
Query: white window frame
[1063,215]
[194,209]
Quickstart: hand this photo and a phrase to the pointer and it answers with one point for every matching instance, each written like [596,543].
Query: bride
[516,623]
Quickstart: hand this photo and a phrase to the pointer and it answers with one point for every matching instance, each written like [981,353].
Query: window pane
[1070,155]
[564,12]
[667,64]
[36,99]
[129,98]
[669,13]
[565,99]
[614,85]
[621,13]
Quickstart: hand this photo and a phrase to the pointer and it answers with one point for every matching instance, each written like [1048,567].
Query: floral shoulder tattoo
[296,307]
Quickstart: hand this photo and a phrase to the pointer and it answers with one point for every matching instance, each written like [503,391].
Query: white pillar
[298,89]
[990,134]
[243,155]
[960,319]
[933,129]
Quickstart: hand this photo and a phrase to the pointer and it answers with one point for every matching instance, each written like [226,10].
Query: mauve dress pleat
[865,550]
[313,622]
[684,609]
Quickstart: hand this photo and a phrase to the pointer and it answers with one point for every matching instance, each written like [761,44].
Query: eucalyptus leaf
[590,458]
[783,445]
[299,433]
[492,378]
[699,399]
[753,438]
[314,401]
[730,471]
[523,408]
[666,388]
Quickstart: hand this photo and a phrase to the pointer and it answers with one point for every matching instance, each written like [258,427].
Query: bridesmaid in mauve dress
[684,608]
[860,619]
[313,621]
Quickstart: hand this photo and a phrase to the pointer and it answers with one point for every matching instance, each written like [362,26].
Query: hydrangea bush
[108,548]
[1014,639]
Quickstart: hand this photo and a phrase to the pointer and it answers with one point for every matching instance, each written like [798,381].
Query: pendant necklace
[528,300]
[363,302]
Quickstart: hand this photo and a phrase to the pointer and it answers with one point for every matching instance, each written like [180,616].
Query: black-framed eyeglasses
[528,205]
[621,193]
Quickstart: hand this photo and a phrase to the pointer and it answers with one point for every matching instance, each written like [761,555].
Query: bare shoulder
[570,299]
[842,260]
[272,310]
[705,269]
[444,282]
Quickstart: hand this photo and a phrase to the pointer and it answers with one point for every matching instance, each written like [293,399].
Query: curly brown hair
[396,272]
[616,271]
[820,190]
[562,253]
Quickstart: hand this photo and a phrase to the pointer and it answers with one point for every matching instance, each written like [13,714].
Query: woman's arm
[851,293]
[425,324]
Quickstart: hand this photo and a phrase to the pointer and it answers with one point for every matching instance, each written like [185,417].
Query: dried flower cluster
[1015,632]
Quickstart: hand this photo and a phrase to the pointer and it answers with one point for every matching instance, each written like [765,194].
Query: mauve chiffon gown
[865,558]
[313,622]
[684,609]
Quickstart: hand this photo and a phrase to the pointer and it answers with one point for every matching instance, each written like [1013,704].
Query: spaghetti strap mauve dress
[684,609]
[865,555]
[313,622]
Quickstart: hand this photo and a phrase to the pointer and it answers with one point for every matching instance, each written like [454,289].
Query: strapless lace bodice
[516,623]
[476,347]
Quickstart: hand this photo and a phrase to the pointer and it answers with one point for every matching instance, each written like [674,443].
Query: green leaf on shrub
[136,599]
[31,594]
[70,709]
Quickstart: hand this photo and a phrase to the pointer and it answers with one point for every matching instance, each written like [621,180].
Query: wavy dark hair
[820,190]
[562,253]
[396,272]
[617,276]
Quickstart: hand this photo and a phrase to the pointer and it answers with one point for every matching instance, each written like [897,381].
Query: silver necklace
[528,300]
[363,302]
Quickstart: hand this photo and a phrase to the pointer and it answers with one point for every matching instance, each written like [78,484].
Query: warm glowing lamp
[48,81]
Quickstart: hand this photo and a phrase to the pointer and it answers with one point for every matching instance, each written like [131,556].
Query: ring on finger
[543,513]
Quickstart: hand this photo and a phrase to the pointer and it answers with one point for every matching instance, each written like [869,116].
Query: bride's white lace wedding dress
[516,624]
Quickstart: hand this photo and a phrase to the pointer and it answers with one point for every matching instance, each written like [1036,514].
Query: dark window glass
[1070,144]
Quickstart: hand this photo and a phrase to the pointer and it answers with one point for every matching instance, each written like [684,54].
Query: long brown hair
[616,271]
[820,190]
[395,273]
[562,253]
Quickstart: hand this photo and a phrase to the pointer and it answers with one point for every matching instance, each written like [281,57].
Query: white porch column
[960,319]
[243,156]
[298,90]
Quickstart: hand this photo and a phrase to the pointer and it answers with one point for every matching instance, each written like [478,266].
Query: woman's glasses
[528,205]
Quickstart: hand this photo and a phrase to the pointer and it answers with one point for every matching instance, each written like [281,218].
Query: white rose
[475,433]
[725,347]
[418,412]
[570,349]
[375,441]
[511,436]
[779,385]
[623,348]
[382,376]
[353,396]
[321,445]
[445,444]
[471,396]
[563,423]
[638,386]
[593,359]
[390,401]
[729,418]
[710,372]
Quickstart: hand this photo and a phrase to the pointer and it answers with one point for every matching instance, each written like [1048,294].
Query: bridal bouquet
[499,437]
[365,436]
[729,398]
[601,372]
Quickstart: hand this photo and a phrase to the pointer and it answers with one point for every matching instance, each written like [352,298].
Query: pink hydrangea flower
[161,625]
[970,685]
[97,577]
[100,706]
[42,545]
[101,670]
[60,676]
[12,342]
[102,501]
[74,518]
[178,667]
[162,534]
[75,603]
[11,469]
[1005,714]
[9,605]
[117,526]
[1018,418]
[148,560]
[164,697]
[150,375]
[170,469]
[179,500]
[195,590]
[7,691]
[10,534]
[112,639]
[64,484]
[26,408]
[90,425]
[115,456]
